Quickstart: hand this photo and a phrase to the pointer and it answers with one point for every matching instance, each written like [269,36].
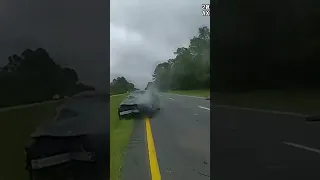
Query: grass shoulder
[300,101]
[120,132]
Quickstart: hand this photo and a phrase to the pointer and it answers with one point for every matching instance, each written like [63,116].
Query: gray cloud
[74,32]
[144,33]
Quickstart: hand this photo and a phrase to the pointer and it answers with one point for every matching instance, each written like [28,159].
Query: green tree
[190,69]
[120,85]
[34,77]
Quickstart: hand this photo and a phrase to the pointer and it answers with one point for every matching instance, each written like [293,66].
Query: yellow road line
[154,167]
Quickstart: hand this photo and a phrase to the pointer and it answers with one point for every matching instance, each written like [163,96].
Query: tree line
[259,45]
[190,69]
[120,85]
[34,77]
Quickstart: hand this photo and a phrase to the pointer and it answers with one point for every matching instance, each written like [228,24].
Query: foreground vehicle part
[65,157]
[72,145]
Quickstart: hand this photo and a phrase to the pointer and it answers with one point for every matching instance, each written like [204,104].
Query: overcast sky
[144,33]
[75,34]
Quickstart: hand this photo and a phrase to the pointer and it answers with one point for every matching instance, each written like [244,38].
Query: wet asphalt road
[92,117]
[93,120]
[181,134]
[245,144]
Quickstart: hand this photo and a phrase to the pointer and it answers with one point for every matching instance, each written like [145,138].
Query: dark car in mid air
[74,144]
[139,102]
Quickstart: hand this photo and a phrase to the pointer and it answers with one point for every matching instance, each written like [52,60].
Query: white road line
[204,108]
[170,98]
[262,110]
[302,147]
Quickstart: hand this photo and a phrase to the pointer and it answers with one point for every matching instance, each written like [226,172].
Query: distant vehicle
[72,144]
[139,102]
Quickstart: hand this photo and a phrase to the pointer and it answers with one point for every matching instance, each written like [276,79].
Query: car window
[66,113]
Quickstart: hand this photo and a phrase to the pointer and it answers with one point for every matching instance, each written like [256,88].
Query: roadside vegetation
[120,86]
[189,71]
[120,132]
[33,77]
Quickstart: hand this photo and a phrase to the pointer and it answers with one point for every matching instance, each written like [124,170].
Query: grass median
[200,93]
[17,125]
[299,101]
[120,132]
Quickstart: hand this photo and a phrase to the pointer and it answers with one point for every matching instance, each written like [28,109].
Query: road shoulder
[136,164]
